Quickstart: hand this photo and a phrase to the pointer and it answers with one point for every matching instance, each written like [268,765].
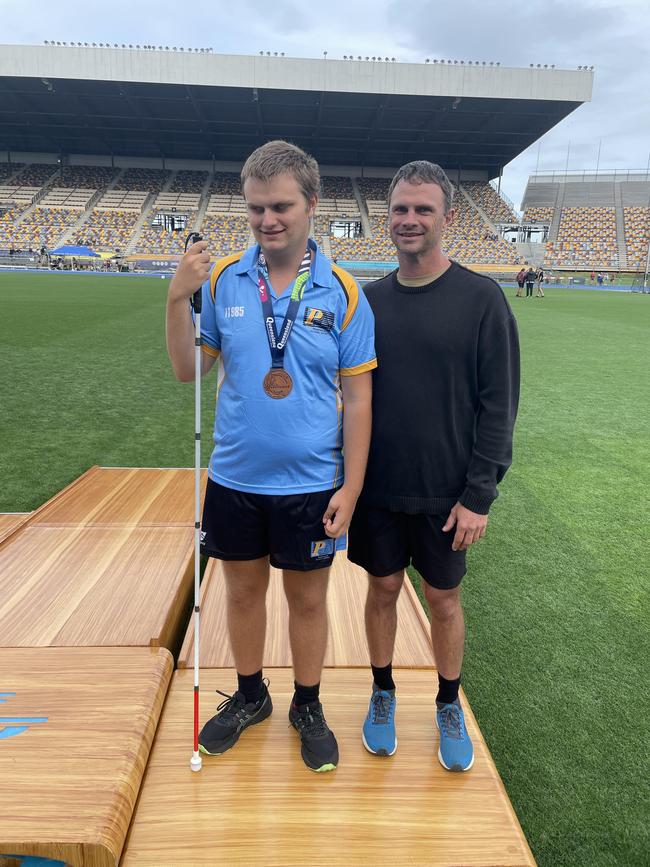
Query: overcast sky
[614,38]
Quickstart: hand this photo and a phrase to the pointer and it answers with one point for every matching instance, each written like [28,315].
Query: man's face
[278,213]
[416,217]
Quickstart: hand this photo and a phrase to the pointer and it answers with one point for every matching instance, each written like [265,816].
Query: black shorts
[383,542]
[288,528]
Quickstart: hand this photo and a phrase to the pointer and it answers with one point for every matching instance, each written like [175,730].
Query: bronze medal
[277,383]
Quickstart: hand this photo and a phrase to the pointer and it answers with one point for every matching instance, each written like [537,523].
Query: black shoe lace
[381,705]
[450,720]
[232,706]
[312,722]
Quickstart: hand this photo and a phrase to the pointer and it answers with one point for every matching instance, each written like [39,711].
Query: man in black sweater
[445,396]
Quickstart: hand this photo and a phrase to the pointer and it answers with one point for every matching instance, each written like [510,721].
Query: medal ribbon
[277,344]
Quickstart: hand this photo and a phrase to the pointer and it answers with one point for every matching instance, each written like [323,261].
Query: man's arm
[193,270]
[357,421]
[498,384]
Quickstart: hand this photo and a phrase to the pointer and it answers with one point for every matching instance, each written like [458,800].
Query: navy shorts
[384,542]
[287,528]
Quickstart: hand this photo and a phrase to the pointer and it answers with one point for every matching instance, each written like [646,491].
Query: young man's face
[278,213]
[416,217]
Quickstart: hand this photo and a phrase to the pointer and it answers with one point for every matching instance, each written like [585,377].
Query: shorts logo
[323,320]
[203,535]
[323,548]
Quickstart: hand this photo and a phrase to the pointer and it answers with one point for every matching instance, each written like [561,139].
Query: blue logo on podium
[10,726]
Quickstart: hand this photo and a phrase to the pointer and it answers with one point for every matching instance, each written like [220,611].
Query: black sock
[383,677]
[250,685]
[447,689]
[305,694]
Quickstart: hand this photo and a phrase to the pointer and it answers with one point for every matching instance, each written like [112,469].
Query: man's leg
[381,617]
[379,735]
[246,584]
[306,594]
[456,752]
[447,629]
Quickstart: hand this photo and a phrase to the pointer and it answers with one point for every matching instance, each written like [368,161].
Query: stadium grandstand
[127,150]
[592,221]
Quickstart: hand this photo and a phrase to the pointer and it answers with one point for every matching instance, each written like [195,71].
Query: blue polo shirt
[292,445]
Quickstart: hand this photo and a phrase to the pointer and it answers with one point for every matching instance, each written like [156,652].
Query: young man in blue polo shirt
[295,337]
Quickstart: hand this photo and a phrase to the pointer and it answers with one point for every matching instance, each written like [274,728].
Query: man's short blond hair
[277,157]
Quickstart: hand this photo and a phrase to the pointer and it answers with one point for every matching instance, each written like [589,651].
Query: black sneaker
[319,751]
[233,715]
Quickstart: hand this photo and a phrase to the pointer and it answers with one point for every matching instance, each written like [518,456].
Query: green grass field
[556,596]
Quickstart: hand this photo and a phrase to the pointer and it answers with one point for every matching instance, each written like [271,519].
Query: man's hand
[338,514]
[192,272]
[470,527]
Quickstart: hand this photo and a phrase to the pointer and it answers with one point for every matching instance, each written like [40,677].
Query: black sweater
[445,393]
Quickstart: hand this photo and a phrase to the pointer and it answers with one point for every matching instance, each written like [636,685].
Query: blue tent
[80,252]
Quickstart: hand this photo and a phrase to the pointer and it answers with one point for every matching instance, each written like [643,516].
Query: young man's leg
[246,584]
[456,752]
[306,594]
[234,531]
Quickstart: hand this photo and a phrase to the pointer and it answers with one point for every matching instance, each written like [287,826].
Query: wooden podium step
[10,521]
[76,727]
[259,805]
[347,641]
[106,562]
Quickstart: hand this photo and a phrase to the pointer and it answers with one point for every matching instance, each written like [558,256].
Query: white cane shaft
[197,494]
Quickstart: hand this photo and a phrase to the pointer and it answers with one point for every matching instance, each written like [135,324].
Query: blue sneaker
[456,752]
[379,726]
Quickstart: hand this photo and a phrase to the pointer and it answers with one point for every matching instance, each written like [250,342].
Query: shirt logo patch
[323,548]
[321,319]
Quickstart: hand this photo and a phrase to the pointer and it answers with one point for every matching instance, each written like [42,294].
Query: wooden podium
[76,728]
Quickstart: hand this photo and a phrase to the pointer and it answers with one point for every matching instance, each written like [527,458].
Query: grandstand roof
[182,105]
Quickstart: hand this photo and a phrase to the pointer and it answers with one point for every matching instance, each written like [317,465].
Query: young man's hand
[470,527]
[192,272]
[338,514]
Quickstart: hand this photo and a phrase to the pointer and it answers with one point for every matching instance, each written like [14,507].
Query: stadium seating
[374,188]
[8,221]
[19,195]
[43,226]
[64,197]
[107,231]
[188,182]
[8,169]
[152,180]
[586,239]
[227,183]
[156,241]
[538,215]
[490,201]
[35,174]
[637,236]
[226,233]
[335,187]
[85,177]
[123,200]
